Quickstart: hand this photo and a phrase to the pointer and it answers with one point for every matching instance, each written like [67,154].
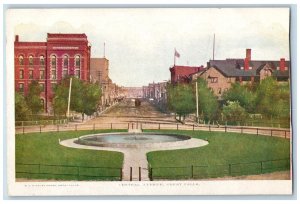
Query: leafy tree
[233,112]
[22,111]
[273,99]
[207,101]
[181,99]
[33,98]
[243,95]
[85,97]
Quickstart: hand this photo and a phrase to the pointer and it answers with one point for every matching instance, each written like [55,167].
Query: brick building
[182,73]
[49,62]
[220,74]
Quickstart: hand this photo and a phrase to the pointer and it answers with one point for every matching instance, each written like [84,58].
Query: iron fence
[67,172]
[215,171]
[273,132]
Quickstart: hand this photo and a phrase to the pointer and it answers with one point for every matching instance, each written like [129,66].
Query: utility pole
[69,100]
[197,108]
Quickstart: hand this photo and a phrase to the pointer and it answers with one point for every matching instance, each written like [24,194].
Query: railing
[40,122]
[67,172]
[214,171]
[273,132]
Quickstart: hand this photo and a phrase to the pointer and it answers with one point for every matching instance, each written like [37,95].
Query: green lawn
[222,156]
[43,149]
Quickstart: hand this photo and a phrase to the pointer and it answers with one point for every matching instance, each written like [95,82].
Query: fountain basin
[132,140]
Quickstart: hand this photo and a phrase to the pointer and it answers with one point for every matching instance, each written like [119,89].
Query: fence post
[140,173]
[40,129]
[121,174]
[111,126]
[225,128]
[229,169]
[78,173]
[151,174]
[130,173]
[177,126]
[261,167]
[193,127]
[209,127]
[285,134]
[192,169]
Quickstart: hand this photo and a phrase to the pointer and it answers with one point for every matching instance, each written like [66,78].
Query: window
[214,79]
[21,87]
[21,74]
[42,74]
[53,74]
[42,85]
[43,102]
[219,91]
[77,73]
[42,60]
[30,74]
[65,73]
[21,60]
[66,61]
[53,61]
[77,61]
[30,60]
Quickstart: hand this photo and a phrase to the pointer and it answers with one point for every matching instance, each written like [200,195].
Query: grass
[222,156]
[44,150]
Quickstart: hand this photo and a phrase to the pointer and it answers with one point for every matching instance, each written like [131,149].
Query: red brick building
[49,62]
[182,73]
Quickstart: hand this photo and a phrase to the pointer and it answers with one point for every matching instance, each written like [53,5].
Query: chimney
[246,64]
[282,64]
[208,64]
[248,54]
[16,38]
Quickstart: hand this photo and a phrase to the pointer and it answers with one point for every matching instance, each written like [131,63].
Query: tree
[33,99]
[243,95]
[181,99]
[22,111]
[273,99]
[233,112]
[207,101]
[85,97]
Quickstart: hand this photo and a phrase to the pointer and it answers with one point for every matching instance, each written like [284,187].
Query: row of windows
[53,61]
[42,86]
[42,74]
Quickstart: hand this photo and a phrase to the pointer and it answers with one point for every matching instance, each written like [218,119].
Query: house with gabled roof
[220,74]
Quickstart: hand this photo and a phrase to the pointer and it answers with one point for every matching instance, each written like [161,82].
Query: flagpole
[174,56]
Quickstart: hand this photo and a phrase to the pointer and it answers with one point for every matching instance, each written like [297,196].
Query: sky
[140,42]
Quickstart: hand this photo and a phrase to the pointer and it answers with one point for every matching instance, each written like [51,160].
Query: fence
[214,171]
[276,132]
[67,172]
[40,122]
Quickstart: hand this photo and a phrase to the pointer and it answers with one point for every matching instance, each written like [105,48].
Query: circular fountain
[131,140]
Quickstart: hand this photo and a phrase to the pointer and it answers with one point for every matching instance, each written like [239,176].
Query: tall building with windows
[49,62]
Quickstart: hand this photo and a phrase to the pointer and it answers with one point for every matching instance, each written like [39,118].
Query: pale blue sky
[140,42]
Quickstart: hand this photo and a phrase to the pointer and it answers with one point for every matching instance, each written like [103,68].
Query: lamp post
[69,100]
[197,108]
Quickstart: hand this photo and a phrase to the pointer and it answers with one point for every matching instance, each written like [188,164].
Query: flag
[177,54]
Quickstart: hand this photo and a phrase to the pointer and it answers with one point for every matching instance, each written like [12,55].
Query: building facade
[220,74]
[181,74]
[49,62]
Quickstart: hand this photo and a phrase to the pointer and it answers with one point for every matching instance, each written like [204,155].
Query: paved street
[126,112]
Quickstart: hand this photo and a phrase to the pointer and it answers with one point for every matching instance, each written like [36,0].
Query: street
[126,112]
